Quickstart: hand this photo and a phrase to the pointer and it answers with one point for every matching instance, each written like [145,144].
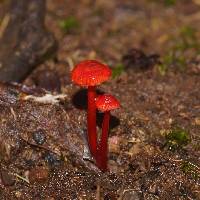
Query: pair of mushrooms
[91,73]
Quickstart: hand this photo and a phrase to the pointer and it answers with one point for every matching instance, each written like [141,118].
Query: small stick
[22,178]
[4,24]
[98,194]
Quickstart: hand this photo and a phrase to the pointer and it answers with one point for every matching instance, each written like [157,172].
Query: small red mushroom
[90,73]
[105,103]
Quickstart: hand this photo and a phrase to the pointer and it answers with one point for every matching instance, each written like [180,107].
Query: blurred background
[165,32]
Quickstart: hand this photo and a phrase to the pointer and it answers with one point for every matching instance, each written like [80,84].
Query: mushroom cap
[90,73]
[107,102]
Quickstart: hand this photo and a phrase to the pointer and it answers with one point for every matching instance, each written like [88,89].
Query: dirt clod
[38,174]
[7,178]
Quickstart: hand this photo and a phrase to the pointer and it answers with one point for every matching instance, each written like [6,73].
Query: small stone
[153,189]
[7,179]
[197,121]
[5,149]
[170,120]
[18,194]
[114,142]
[52,159]
[135,149]
[131,195]
[38,174]
[39,136]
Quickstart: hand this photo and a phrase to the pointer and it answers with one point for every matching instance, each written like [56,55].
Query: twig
[98,194]
[22,178]
[13,113]
[70,62]
[39,146]
[4,24]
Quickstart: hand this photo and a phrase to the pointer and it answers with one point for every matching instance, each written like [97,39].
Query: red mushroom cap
[107,102]
[90,73]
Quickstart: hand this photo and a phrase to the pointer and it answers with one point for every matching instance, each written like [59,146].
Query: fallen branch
[24,41]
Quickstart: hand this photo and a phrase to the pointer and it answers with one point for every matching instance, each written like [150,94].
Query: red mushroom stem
[103,144]
[90,73]
[91,120]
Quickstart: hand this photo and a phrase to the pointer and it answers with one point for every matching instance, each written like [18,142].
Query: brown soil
[42,143]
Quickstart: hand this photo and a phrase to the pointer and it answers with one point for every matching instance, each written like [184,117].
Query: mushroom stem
[91,120]
[103,145]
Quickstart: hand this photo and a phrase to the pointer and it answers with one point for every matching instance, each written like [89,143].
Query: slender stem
[103,146]
[92,135]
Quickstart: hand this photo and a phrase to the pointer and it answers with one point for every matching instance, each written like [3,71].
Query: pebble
[38,174]
[7,179]
[18,194]
[52,159]
[39,136]
[197,121]
[114,144]
[131,195]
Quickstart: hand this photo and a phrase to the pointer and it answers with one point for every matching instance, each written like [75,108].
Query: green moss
[167,60]
[162,68]
[187,39]
[98,12]
[117,71]
[69,24]
[113,33]
[191,169]
[167,3]
[172,59]
[170,2]
[177,138]
[176,55]
[188,31]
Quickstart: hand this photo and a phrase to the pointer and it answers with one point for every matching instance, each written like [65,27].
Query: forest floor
[153,48]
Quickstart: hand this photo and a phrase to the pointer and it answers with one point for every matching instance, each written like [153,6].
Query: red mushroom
[90,73]
[105,103]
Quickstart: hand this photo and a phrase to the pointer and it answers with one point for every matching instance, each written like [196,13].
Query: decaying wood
[24,41]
